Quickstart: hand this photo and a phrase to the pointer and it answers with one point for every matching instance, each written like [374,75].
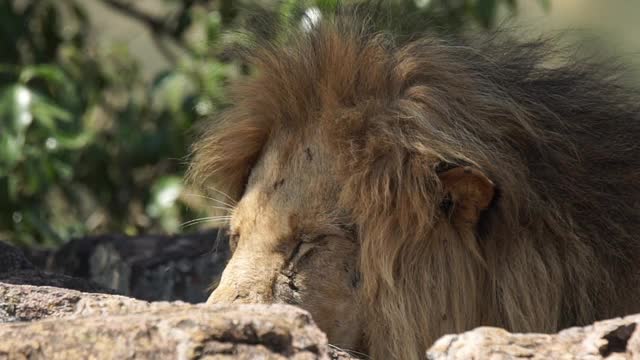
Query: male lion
[401,189]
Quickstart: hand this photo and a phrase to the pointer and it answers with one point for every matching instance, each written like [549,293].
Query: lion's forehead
[294,161]
[289,187]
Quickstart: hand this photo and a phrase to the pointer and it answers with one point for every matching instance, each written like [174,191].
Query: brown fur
[560,243]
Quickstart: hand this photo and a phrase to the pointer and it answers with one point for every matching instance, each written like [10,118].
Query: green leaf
[10,151]
[287,11]
[75,141]
[485,11]
[35,178]
[327,6]
[63,170]
[21,107]
[46,112]
[214,27]
[49,73]
[15,109]
[13,187]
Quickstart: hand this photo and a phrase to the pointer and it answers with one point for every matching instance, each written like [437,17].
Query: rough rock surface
[609,339]
[32,303]
[51,323]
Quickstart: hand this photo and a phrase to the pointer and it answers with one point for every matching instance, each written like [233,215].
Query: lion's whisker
[204,220]
[232,200]
[200,220]
[221,208]
[227,206]
[196,223]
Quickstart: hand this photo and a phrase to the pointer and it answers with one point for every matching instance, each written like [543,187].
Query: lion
[400,189]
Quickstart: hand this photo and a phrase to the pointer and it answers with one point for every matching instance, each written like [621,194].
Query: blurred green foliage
[89,144]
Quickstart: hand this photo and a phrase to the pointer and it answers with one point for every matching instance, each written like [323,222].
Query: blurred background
[99,98]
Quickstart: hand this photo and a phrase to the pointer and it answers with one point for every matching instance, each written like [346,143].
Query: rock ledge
[52,323]
[611,339]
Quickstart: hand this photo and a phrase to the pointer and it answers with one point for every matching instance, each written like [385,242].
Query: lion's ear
[470,191]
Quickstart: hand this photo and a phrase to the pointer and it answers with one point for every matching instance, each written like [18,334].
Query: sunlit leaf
[10,151]
[49,73]
[15,109]
[47,112]
[164,195]
[167,190]
[73,142]
[23,105]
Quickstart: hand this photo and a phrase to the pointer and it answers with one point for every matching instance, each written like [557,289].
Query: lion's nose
[242,287]
[222,295]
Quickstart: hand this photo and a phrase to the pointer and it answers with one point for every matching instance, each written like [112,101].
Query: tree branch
[157,27]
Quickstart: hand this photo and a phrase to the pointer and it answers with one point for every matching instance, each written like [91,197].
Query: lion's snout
[227,295]
[241,292]
[247,279]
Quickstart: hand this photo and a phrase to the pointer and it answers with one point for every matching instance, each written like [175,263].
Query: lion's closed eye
[306,246]
[312,238]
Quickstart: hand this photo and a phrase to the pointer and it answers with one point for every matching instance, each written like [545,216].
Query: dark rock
[150,267]
[16,269]
[12,259]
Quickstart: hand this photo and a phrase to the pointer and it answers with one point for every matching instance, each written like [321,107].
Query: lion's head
[290,240]
[364,172]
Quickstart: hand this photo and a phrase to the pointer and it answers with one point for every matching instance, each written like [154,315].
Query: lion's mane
[560,138]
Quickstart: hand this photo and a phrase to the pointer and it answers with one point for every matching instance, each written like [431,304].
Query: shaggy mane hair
[560,139]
